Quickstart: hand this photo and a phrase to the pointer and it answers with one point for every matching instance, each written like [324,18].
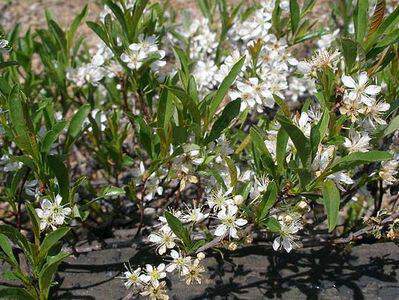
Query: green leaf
[16,237]
[392,126]
[77,120]
[259,144]
[15,293]
[361,20]
[99,31]
[359,158]
[34,219]
[272,224]
[51,136]
[75,126]
[231,110]
[119,16]
[6,64]
[50,240]
[19,120]
[7,249]
[281,149]
[232,171]
[74,26]
[295,15]
[349,51]
[178,229]
[225,85]
[268,200]
[318,132]
[300,141]
[61,173]
[48,270]
[165,109]
[112,191]
[331,200]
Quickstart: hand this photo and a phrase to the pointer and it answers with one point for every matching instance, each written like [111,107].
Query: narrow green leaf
[359,158]
[74,26]
[178,228]
[268,200]
[259,144]
[300,141]
[231,110]
[99,31]
[318,132]
[77,120]
[61,173]
[331,200]
[392,126]
[48,270]
[112,191]
[349,51]
[7,249]
[15,293]
[225,85]
[50,240]
[295,15]
[272,224]
[281,149]
[361,20]
[51,136]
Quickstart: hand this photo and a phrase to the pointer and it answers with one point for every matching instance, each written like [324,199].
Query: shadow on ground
[255,272]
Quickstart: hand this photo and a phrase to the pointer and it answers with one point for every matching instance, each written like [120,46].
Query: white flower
[289,227]
[360,90]
[357,142]
[194,272]
[165,238]
[52,214]
[374,112]
[132,278]
[155,291]
[219,199]
[194,215]
[133,59]
[339,178]
[322,59]
[389,170]
[3,44]
[247,94]
[179,262]
[153,275]
[229,220]
[260,185]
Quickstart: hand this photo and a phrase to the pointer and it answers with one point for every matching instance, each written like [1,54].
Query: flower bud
[238,200]
[232,246]
[200,255]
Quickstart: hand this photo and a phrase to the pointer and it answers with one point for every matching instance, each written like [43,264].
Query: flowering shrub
[244,123]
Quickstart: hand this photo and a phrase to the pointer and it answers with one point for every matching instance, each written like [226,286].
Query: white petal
[233,233]
[276,243]
[372,90]
[154,238]
[162,250]
[221,230]
[363,78]
[171,268]
[348,81]
[287,245]
[241,222]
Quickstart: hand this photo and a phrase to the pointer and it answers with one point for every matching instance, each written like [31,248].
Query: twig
[360,233]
